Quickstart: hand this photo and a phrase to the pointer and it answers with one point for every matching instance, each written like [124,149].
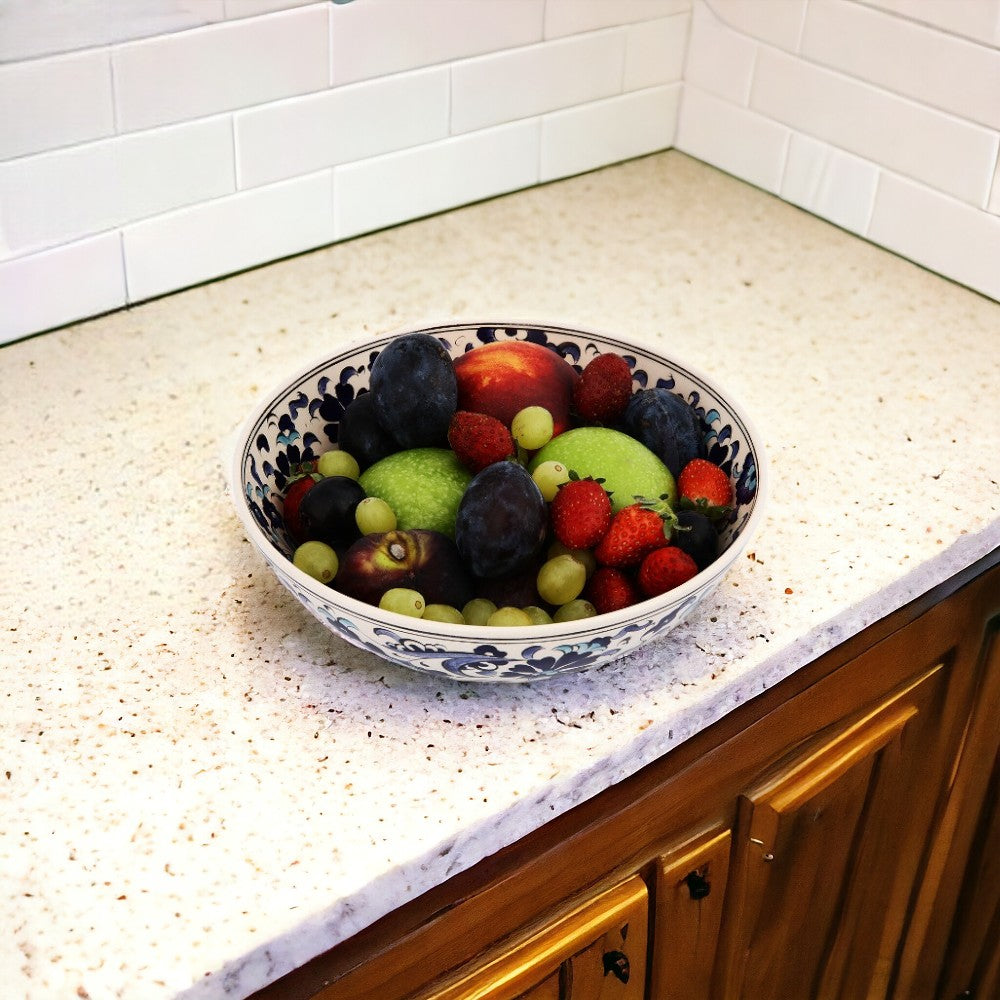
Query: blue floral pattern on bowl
[300,420]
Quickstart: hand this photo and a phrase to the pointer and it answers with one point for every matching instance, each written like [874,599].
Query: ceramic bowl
[298,420]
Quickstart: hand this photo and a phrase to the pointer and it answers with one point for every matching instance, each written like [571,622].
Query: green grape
[374,515]
[574,610]
[586,556]
[478,611]
[561,579]
[443,613]
[317,559]
[531,427]
[548,477]
[538,616]
[403,601]
[508,616]
[338,463]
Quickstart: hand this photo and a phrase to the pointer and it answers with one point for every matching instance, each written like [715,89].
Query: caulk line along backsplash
[231,133]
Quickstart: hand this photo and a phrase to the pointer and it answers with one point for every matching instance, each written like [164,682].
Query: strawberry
[635,531]
[665,569]
[478,439]
[611,589]
[580,513]
[603,389]
[294,493]
[703,486]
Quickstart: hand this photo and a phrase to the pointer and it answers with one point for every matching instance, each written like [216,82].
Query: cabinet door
[828,849]
[595,952]
[690,897]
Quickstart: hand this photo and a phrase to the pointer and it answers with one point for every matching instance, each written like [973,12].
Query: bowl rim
[578,629]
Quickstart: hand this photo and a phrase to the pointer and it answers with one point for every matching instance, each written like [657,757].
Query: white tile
[220,237]
[527,81]
[46,103]
[949,154]
[166,168]
[919,62]
[994,202]
[376,37]
[253,8]
[720,60]
[829,183]
[777,22]
[654,51]
[976,19]
[620,128]
[200,72]
[732,138]
[304,134]
[59,286]
[33,28]
[57,197]
[567,17]
[938,232]
[398,187]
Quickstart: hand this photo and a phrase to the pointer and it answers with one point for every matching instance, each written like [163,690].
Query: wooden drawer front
[595,952]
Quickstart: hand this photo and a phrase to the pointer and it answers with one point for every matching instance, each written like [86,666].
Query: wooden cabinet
[837,838]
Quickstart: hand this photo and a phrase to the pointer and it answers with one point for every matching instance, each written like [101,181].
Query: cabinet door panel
[595,952]
[690,897]
[827,857]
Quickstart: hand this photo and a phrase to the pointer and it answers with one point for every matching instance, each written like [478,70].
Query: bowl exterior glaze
[299,420]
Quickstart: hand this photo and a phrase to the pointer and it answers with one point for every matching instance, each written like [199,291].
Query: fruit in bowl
[568,530]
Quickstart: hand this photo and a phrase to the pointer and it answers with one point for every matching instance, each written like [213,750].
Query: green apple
[629,469]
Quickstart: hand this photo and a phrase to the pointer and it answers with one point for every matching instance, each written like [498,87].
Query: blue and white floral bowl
[299,420]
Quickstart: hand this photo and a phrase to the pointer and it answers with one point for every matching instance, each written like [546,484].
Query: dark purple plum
[415,390]
[326,512]
[502,520]
[667,425]
[361,435]
[695,534]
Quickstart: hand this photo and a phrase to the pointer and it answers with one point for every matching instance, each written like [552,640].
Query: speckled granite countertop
[201,788]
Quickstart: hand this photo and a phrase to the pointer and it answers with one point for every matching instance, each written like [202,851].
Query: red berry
[580,513]
[604,389]
[665,569]
[703,485]
[611,589]
[294,493]
[635,532]
[478,440]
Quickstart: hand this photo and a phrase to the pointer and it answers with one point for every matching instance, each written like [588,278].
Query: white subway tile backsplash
[58,197]
[229,234]
[936,69]
[777,22]
[528,81]
[305,134]
[829,183]
[654,51]
[938,232]
[976,19]
[46,103]
[377,37]
[62,285]
[198,73]
[720,60]
[949,154]
[619,128]
[400,186]
[994,202]
[731,138]
[567,17]
[165,168]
